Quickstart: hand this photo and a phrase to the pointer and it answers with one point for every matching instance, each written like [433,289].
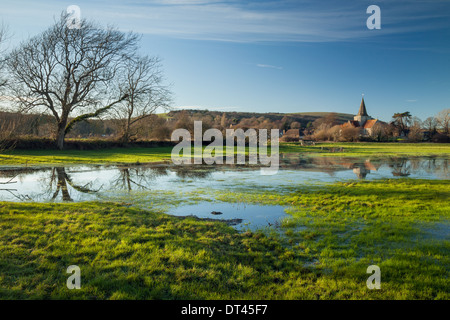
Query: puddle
[437,231]
[242,216]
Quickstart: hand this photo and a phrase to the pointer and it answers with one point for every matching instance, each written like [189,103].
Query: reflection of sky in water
[252,216]
[139,185]
[92,182]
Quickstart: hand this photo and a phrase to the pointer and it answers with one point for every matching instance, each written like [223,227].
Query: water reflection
[62,180]
[400,167]
[79,183]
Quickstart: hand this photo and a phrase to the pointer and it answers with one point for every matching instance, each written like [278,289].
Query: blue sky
[279,56]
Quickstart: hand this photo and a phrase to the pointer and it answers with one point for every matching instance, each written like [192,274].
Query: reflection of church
[362,169]
[330,165]
[361,172]
[362,120]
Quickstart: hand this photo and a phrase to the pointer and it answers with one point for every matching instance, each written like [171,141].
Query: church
[362,120]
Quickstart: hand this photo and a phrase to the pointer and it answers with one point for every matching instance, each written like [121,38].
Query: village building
[363,121]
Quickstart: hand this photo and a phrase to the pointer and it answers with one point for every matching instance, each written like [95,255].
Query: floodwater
[140,185]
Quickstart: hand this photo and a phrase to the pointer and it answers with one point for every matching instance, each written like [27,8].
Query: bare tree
[3,31]
[415,130]
[142,83]
[2,84]
[443,119]
[69,72]
[349,134]
[430,125]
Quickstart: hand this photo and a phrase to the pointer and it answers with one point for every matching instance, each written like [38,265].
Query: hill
[302,117]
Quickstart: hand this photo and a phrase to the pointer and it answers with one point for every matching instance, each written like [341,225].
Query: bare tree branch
[142,82]
[69,71]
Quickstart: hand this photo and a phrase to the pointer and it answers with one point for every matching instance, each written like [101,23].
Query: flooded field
[165,185]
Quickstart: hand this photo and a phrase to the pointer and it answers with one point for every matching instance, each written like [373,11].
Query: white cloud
[262,21]
[268,66]
[205,108]
[249,21]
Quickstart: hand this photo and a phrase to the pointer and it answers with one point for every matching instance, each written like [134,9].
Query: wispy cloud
[300,21]
[254,21]
[268,66]
[204,108]
[411,100]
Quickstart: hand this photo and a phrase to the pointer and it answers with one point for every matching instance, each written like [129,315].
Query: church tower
[362,115]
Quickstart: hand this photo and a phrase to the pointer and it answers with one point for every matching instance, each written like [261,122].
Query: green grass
[147,155]
[102,156]
[400,225]
[335,232]
[126,253]
[370,149]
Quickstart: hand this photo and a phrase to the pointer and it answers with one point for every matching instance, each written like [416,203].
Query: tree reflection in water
[136,178]
[63,180]
[77,183]
[401,168]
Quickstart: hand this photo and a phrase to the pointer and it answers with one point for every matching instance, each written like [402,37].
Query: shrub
[440,138]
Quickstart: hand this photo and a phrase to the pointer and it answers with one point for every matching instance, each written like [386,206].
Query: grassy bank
[146,155]
[335,232]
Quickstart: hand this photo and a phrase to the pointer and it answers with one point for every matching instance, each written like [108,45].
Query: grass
[147,155]
[335,232]
[400,225]
[102,156]
[126,253]
[371,149]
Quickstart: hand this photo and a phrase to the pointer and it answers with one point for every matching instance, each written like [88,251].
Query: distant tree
[379,132]
[296,125]
[224,121]
[402,121]
[142,83]
[415,130]
[430,125]
[349,134]
[248,123]
[416,121]
[158,128]
[309,129]
[443,120]
[328,121]
[285,123]
[183,121]
[267,124]
[327,133]
[69,72]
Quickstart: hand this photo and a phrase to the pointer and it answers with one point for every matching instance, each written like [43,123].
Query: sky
[278,56]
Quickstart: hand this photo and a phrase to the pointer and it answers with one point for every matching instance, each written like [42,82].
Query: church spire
[362,108]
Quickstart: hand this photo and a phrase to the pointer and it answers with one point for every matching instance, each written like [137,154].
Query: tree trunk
[60,135]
